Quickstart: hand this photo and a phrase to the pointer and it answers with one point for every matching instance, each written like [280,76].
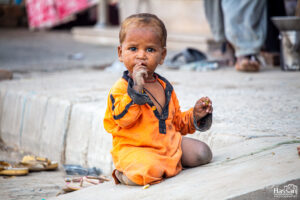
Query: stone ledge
[239,176]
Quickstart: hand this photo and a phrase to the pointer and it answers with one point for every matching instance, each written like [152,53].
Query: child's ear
[163,55]
[120,53]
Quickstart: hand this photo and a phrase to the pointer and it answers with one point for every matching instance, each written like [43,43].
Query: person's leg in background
[245,28]
[214,16]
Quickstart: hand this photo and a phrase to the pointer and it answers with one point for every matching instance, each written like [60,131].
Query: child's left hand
[202,107]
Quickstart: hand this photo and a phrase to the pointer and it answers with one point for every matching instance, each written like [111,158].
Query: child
[143,113]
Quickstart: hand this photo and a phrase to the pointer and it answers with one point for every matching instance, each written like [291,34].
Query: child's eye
[132,48]
[150,50]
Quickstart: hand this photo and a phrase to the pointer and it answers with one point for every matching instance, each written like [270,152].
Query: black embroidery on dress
[143,98]
[123,112]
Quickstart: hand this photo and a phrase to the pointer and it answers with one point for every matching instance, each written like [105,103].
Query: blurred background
[58,34]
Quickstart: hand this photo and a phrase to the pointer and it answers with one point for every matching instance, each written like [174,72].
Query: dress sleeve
[203,124]
[123,108]
[183,121]
[137,98]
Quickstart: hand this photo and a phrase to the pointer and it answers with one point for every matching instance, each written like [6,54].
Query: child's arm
[183,121]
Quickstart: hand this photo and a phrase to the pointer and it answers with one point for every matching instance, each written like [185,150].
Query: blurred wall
[179,16]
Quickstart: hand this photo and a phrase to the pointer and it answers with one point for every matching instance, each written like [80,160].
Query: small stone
[146,186]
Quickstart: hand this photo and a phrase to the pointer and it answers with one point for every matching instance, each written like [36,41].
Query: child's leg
[194,152]
[123,179]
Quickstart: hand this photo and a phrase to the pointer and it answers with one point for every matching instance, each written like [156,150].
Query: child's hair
[144,19]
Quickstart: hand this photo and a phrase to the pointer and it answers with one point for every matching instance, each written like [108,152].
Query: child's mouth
[142,63]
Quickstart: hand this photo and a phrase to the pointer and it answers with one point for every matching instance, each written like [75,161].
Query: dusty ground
[37,185]
[25,51]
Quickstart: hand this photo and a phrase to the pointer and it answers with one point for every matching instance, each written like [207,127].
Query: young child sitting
[143,113]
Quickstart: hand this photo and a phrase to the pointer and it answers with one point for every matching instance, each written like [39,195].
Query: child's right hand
[138,75]
[202,107]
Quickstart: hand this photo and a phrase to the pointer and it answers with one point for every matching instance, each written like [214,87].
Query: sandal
[35,163]
[248,63]
[7,169]
[78,183]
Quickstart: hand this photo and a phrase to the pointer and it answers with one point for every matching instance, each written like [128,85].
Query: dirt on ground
[35,185]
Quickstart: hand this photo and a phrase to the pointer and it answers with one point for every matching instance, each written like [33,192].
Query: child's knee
[204,154]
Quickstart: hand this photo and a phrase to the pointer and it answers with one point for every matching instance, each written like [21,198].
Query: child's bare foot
[122,178]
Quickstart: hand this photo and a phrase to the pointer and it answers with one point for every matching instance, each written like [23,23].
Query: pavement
[58,114]
[24,51]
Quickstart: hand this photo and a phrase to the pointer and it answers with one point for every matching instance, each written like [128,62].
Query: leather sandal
[6,169]
[35,163]
[248,63]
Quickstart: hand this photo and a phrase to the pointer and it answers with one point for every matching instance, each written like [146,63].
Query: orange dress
[146,144]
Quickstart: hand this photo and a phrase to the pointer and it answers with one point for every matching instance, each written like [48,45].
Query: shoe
[248,63]
[74,184]
[7,169]
[35,163]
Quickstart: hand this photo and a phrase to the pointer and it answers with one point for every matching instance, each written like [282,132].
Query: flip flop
[35,163]
[7,169]
[78,183]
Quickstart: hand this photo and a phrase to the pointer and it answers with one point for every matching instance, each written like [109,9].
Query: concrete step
[110,36]
[260,165]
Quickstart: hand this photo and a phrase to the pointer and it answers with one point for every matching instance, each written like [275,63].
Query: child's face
[141,46]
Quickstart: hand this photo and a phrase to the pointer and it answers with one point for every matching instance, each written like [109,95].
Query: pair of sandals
[28,164]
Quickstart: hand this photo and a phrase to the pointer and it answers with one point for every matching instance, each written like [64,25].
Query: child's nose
[141,54]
